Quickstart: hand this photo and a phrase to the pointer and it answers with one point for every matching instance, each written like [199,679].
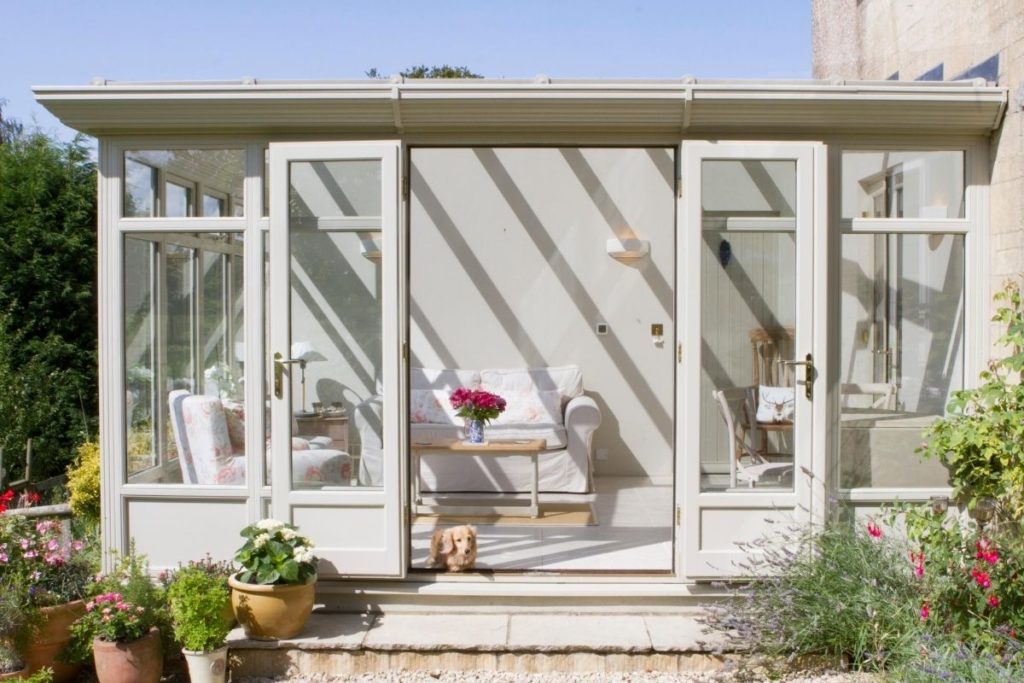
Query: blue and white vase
[474,431]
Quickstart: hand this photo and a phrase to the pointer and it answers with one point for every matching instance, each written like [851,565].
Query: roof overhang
[684,106]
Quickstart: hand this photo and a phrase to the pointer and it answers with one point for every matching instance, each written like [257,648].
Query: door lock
[809,374]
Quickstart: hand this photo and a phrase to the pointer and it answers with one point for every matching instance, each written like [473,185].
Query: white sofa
[544,403]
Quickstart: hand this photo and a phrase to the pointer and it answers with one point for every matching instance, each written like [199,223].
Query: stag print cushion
[775,405]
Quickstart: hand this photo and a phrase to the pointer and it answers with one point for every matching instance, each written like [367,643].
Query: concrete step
[349,643]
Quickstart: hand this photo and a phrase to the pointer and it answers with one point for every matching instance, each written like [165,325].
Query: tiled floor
[633,533]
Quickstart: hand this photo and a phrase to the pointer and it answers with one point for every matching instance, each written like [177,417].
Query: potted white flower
[272,595]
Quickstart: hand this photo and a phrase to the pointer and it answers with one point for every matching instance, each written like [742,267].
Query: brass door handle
[809,375]
[279,363]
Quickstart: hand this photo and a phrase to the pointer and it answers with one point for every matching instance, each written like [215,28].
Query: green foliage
[837,593]
[424,71]
[84,483]
[15,622]
[981,440]
[199,597]
[274,553]
[48,381]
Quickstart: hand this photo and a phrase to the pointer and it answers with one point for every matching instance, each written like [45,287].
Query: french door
[751,260]
[335,329]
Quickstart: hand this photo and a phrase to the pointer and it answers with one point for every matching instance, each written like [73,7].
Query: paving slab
[671,633]
[438,631]
[570,632]
[323,631]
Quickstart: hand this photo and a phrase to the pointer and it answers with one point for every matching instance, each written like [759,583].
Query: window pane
[139,189]
[179,200]
[212,206]
[219,171]
[902,353]
[903,184]
[184,359]
[748,317]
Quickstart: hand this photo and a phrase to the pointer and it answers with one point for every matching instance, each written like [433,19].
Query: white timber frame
[83,108]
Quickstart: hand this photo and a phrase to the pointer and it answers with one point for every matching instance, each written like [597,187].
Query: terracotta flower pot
[53,636]
[137,661]
[14,675]
[272,612]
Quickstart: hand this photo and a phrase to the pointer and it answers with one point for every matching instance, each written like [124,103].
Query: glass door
[748,362]
[335,321]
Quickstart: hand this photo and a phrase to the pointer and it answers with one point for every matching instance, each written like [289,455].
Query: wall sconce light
[626,250]
[369,245]
[939,504]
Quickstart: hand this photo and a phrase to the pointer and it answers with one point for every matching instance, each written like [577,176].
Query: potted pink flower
[477,407]
[126,645]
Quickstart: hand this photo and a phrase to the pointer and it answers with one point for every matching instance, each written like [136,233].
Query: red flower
[925,611]
[918,561]
[874,530]
[987,551]
[5,499]
[982,578]
[993,600]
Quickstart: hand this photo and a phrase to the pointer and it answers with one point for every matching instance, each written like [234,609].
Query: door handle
[808,364]
[279,363]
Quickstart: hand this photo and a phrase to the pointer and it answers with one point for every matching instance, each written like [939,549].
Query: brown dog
[454,548]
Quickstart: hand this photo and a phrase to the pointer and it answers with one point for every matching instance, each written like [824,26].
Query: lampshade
[304,350]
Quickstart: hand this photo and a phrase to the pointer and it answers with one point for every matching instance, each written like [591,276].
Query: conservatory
[708,305]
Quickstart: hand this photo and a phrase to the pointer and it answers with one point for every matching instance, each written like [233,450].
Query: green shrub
[838,593]
[200,599]
[84,483]
[981,440]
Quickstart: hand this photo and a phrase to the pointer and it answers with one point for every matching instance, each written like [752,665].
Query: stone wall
[876,39]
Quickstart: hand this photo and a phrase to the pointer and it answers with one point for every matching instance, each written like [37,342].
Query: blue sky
[68,43]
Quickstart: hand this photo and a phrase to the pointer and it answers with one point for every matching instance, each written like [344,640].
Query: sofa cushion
[444,378]
[553,435]
[431,406]
[531,408]
[568,380]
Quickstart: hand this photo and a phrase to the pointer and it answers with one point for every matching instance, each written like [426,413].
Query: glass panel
[213,206]
[902,353]
[336,317]
[748,318]
[179,200]
[139,189]
[903,184]
[184,333]
[221,171]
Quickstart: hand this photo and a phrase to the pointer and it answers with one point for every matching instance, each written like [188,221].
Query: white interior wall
[509,269]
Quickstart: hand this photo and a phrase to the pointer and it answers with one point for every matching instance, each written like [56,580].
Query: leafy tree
[48,331]
[424,71]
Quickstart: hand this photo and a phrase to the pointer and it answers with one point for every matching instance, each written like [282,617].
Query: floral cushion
[431,406]
[213,457]
[234,416]
[531,407]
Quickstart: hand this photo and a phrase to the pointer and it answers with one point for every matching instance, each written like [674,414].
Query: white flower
[269,524]
[288,534]
[260,540]
[303,555]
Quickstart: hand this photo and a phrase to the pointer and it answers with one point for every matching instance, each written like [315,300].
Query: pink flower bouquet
[474,404]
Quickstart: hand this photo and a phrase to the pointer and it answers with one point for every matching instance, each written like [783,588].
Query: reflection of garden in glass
[183,183]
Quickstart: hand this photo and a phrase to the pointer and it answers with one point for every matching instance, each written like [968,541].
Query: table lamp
[305,353]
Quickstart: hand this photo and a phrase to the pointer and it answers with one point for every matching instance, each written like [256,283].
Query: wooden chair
[883,394]
[769,347]
[737,406]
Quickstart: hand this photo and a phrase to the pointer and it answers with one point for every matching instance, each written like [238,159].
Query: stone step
[349,643]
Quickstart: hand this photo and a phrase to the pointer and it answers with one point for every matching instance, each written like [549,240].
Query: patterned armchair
[210,436]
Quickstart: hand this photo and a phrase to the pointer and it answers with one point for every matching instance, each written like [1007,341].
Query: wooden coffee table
[493,448]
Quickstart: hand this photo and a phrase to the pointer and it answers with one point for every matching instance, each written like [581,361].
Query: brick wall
[874,39]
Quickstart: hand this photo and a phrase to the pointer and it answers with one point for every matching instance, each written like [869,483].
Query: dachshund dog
[454,548]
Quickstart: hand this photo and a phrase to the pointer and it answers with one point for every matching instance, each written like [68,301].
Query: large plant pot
[138,661]
[272,612]
[207,667]
[53,636]
[14,675]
